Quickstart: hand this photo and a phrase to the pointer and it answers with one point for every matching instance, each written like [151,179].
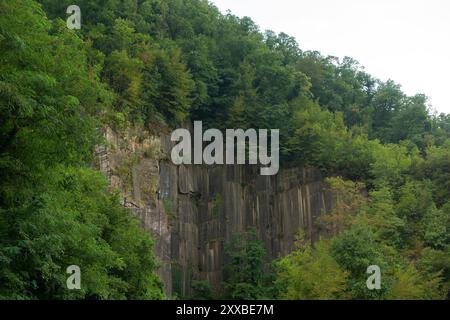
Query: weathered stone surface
[192,211]
[279,207]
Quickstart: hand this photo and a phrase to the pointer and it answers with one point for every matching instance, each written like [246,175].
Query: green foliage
[348,200]
[437,262]
[244,273]
[437,227]
[437,169]
[169,210]
[311,274]
[73,220]
[410,284]
[387,230]
[171,86]
[383,218]
[390,164]
[54,210]
[202,290]
[217,205]
[355,250]
[172,61]
[161,63]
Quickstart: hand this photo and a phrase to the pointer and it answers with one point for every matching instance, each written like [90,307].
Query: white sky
[407,41]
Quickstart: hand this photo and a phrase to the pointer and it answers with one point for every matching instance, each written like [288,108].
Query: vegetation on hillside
[158,63]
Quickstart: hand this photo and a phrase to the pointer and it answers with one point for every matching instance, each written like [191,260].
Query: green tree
[311,274]
[244,273]
[355,250]
[410,284]
[55,211]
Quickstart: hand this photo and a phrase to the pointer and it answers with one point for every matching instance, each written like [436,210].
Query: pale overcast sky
[405,40]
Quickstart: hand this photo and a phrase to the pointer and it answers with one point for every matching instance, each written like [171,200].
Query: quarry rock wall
[192,211]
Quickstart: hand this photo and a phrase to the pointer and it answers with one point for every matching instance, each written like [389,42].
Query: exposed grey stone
[189,223]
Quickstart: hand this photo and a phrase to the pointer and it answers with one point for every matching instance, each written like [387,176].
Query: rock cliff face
[192,211]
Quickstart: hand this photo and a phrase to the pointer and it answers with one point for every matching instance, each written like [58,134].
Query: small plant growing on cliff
[217,206]
[170,212]
[153,151]
[125,171]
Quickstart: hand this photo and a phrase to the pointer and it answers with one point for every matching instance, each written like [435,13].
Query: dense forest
[157,64]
